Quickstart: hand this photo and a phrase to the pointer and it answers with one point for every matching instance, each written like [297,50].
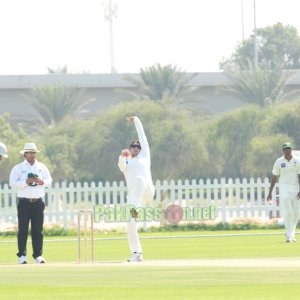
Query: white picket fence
[230,198]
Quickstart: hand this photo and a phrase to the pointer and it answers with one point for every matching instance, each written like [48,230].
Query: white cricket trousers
[289,205]
[142,193]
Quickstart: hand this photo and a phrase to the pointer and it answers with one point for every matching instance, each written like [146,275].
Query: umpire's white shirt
[19,174]
[287,171]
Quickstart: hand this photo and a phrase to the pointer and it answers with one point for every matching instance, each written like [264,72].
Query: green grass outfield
[63,278]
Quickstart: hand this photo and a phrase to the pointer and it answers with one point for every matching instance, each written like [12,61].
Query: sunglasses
[135,146]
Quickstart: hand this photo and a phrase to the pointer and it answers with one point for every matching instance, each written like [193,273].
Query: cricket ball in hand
[126,153]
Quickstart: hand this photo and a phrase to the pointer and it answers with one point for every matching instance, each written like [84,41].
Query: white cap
[3,150]
[29,147]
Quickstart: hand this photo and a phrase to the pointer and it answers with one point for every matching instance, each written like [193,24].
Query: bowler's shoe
[138,257]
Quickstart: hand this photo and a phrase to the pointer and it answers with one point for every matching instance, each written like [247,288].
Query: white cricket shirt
[287,171]
[19,174]
[139,165]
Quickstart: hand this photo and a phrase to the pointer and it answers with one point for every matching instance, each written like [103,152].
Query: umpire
[30,179]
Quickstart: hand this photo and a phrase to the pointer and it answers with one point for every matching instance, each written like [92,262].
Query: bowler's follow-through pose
[135,164]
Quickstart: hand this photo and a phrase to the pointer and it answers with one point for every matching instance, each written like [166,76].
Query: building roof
[107,80]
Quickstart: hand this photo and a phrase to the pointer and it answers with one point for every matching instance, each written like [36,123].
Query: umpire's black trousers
[30,210]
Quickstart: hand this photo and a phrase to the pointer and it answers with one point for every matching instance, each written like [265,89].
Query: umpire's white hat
[3,150]
[29,147]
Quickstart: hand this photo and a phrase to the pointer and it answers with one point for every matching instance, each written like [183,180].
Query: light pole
[110,11]
[243,27]
[255,38]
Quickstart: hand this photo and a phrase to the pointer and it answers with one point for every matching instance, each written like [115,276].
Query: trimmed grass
[210,247]
[143,282]
[48,282]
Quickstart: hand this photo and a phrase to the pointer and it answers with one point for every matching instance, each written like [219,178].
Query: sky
[194,35]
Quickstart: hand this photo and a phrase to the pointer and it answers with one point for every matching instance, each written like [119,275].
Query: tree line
[184,144]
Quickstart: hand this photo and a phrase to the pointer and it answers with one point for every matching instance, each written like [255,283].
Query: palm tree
[54,103]
[259,86]
[58,70]
[162,82]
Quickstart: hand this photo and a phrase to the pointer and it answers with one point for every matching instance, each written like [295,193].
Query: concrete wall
[105,89]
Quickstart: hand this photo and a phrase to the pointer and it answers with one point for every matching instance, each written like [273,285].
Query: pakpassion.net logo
[173,213]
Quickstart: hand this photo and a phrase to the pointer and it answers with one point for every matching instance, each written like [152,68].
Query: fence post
[223,200]
[64,204]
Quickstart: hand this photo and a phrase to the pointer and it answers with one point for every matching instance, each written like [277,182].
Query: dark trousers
[34,212]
